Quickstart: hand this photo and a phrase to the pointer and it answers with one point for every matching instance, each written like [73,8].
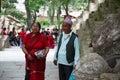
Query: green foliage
[117,2]
[113,5]
[65,1]
[7,5]
[106,3]
[61,21]
[36,4]
[1,13]
[13,1]
[100,15]
[45,22]
[4,5]
[10,9]
[97,16]
[17,14]
[79,4]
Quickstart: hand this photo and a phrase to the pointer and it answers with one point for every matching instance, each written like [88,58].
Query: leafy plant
[10,9]
[45,22]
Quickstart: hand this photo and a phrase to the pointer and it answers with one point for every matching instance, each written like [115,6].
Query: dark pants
[64,72]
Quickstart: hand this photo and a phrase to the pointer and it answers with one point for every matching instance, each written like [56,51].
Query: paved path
[12,65]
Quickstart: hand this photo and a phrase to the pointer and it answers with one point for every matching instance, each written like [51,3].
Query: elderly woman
[67,51]
[32,43]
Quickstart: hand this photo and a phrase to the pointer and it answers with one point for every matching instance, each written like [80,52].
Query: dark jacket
[70,51]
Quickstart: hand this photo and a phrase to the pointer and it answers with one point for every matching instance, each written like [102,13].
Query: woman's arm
[45,53]
[26,52]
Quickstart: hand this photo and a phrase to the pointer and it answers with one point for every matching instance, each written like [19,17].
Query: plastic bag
[72,77]
[38,53]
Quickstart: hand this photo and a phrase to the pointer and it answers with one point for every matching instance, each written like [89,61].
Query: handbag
[72,77]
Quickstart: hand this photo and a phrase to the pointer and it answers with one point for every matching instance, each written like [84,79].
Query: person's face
[35,28]
[66,27]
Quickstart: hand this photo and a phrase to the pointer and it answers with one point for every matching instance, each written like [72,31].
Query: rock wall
[9,22]
[99,33]
[106,38]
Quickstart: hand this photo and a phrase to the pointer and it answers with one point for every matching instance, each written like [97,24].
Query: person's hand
[30,57]
[74,66]
[55,62]
[42,56]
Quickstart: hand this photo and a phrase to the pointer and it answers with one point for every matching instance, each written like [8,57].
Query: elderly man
[67,51]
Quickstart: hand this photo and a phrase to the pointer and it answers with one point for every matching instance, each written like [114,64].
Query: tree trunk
[0,6]
[58,17]
[51,13]
[34,16]
[52,16]
[66,9]
[28,12]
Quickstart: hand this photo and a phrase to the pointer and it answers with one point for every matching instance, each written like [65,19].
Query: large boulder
[91,65]
[106,39]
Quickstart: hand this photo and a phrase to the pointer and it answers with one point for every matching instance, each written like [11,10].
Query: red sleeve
[45,41]
[25,38]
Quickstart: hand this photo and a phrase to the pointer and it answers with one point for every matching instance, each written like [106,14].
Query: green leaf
[13,1]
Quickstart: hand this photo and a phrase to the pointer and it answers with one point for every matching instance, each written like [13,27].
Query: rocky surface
[9,22]
[100,33]
[106,40]
[110,76]
[91,66]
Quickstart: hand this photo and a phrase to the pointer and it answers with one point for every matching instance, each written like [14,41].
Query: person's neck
[33,34]
[67,32]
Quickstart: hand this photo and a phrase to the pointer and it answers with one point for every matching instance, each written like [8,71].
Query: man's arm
[77,50]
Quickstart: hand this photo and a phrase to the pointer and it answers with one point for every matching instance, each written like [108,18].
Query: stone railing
[4,42]
[0,42]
